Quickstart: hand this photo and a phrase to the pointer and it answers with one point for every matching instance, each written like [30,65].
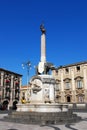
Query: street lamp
[28,67]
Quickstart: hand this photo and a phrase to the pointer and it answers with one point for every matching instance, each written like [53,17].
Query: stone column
[2,74]
[2,84]
[43,44]
[41,67]
[11,97]
[62,88]
[85,77]
[20,90]
[73,87]
[85,82]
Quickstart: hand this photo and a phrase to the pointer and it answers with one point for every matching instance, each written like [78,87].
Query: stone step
[41,118]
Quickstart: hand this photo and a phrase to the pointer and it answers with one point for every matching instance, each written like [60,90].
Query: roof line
[1,69]
[73,64]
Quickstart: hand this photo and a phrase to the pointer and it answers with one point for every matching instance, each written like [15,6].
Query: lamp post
[28,66]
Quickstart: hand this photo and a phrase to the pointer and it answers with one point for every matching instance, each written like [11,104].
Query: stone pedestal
[42,89]
[42,108]
[42,97]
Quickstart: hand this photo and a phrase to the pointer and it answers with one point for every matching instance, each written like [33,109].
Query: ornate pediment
[67,80]
[78,78]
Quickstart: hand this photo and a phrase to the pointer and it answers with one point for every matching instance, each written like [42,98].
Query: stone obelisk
[41,66]
[43,44]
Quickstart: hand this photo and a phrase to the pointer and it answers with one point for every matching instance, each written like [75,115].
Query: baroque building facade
[71,83]
[25,93]
[10,83]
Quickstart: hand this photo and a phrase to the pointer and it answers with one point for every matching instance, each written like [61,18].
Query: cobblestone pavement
[82,125]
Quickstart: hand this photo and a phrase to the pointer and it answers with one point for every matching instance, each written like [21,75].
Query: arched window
[79,82]
[67,83]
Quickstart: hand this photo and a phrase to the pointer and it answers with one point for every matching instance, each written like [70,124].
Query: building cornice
[4,70]
[73,64]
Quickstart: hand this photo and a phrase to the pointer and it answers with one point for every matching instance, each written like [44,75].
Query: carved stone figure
[43,30]
[36,85]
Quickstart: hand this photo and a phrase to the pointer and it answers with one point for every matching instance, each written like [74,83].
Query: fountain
[42,108]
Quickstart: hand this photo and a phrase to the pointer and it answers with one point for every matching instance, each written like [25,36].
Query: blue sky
[66,32]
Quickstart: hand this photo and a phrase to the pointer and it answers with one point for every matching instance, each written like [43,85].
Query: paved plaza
[82,125]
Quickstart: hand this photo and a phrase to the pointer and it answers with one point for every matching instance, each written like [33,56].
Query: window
[57,87]
[80,98]
[56,72]
[68,99]
[67,70]
[79,83]
[67,85]
[78,68]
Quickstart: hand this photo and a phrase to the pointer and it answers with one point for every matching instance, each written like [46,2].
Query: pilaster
[73,86]
[85,77]
[11,97]
[20,95]
[2,78]
[2,84]
[85,99]
[62,87]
